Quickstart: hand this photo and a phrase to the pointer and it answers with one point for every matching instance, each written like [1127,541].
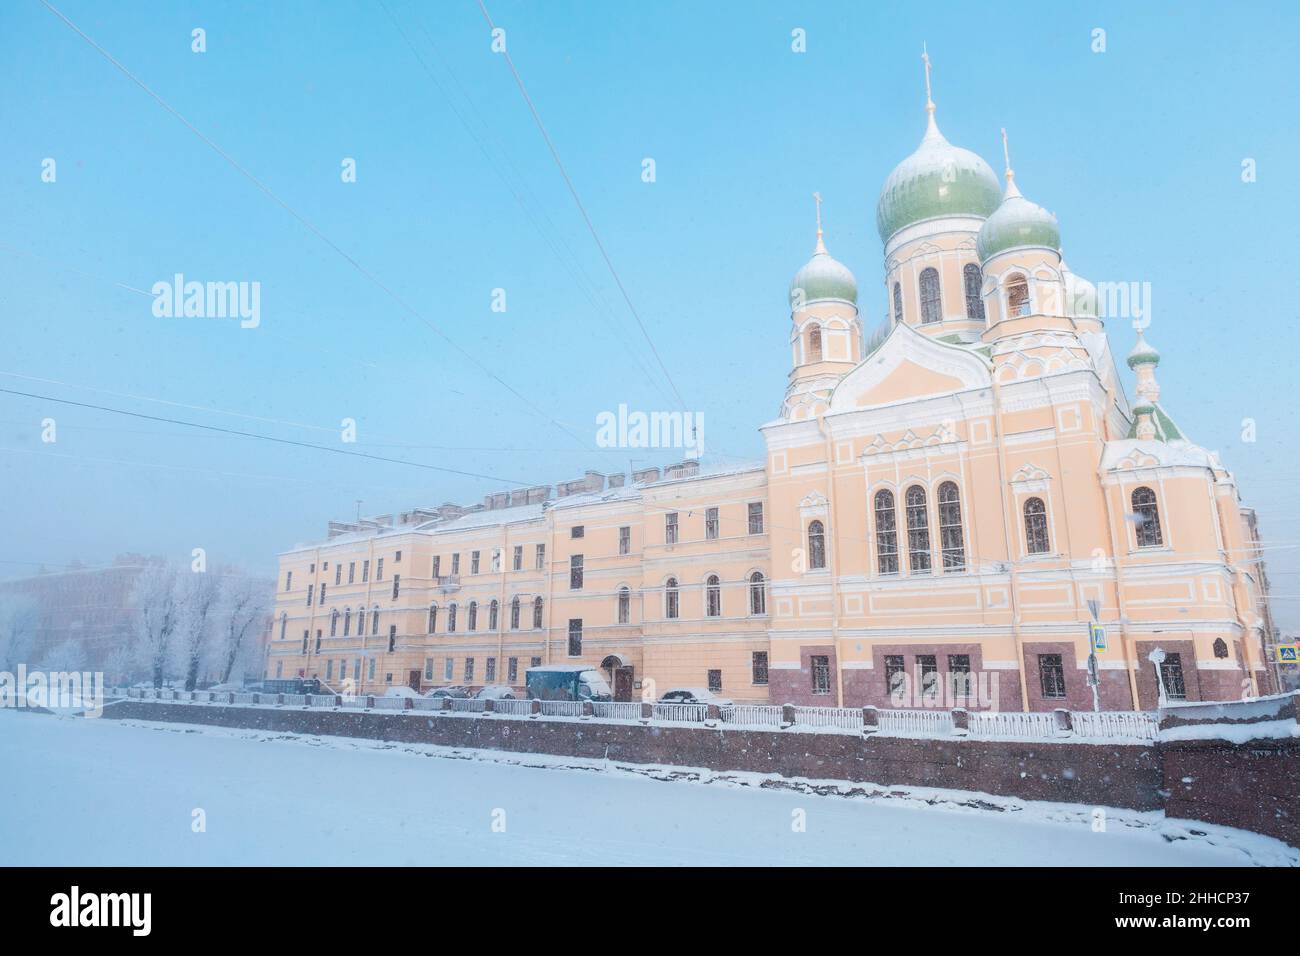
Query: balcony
[447,583]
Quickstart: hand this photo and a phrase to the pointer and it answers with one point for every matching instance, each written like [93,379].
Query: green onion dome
[823,278]
[1015,224]
[1143,353]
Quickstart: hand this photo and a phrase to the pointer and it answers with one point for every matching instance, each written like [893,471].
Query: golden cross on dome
[925,58]
[821,246]
[1006,157]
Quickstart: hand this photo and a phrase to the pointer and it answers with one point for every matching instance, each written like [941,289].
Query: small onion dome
[823,278]
[1015,224]
[1144,409]
[1143,354]
[936,181]
[1080,294]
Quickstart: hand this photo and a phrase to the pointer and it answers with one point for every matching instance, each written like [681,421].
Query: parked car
[693,695]
[566,682]
[496,692]
[292,685]
[450,691]
[402,691]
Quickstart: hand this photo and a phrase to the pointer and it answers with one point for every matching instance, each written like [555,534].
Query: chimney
[645,476]
[617,481]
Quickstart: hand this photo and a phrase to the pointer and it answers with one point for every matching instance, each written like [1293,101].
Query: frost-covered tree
[198,594]
[65,657]
[18,619]
[246,603]
[157,617]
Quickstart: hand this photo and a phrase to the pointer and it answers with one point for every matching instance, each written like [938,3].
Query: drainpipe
[1126,640]
[1238,589]
[833,560]
[1007,538]
[549,611]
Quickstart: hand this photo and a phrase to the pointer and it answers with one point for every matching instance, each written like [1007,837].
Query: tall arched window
[815,344]
[493,610]
[713,596]
[1148,518]
[537,613]
[672,599]
[451,619]
[918,531]
[931,307]
[347,620]
[816,545]
[334,622]
[624,605]
[284,623]
[473,615]
[898,303]
[951,545]
[374,622]
[757,593]
[433,618]
[1036,540]
[972,280]
[1018,296]
[886,533]
[514,614]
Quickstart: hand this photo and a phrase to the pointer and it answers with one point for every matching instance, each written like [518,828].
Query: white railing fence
[756,715]
[682,713]
[1013,724]
[561,708]
[915,723]
[468,705]
[617,710]
[1135,724]
[514,708]
[835,718]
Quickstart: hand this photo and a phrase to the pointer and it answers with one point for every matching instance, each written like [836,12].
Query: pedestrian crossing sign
[1098,635]
[1287,653]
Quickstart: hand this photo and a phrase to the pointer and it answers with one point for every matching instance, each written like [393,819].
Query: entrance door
[623,683]
[413,680]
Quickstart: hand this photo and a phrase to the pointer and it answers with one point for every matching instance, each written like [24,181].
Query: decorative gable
[907,366]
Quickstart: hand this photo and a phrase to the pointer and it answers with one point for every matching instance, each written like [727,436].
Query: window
[886,533]
[310,588]
[815,344]
[334,622]
[514,614]
[338,574]
[490,670]
[318,637]
[1171,675]
[624,540]
[972,280]
[671,599]
[322,593]
[329,669]
[493,613]
[898,303]
[820,665]
[1051,676]
[1220,647]
[670,528]
[473,562]
[918,531]
[534,662]
[451,619]
[537,613]
[343,669]
[1018,296]
[279,669]
[816,545]
[433,618]
[352,572]
[575,572]
[715,681]
[312,569]
[1146,517]
[428,668]
[379,569]
[931,307]
[756,517]
[397,585]
[951,546]
[959,674]
[473,615]
[288,580]
[455,563]
[284,622]
[306,636]
[757,593]
[758,668]
[1036,527]
[397,558]
[713,596]
[374,622]
[370,671]
[365,571]
[437,565]
[512,670]
[448,668]
[896,677]
[575,637]
[541,557]
[577,531]
[711,524]
[624,605]
[469,670]
[927,667]
[392,638]
[347,620]
[496,560]
[517,558]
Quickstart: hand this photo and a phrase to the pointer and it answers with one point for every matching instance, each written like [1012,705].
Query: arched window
[815,344]
[1220,647]
[624,605]
[1148,518]
[757,593]
[493,610]
[473,615]
[713,596]
[347,620]
[931,307]
[918,531]
[972,280]
[334,622]
[1036,540]
[514,614]
[284,623]
[886,533]
[898,303]
[816,545]
[451,619]
[433,618]
[537,613]
[1018,296]
[951,545]
[374,622]
[672,605]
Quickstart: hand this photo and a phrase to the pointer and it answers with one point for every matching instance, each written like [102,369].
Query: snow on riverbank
[111,792]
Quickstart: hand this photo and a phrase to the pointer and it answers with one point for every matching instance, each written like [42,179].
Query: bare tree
[155,600]
[247,602]
[198,595]
[18,619]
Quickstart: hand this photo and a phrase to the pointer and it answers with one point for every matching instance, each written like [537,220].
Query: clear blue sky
[1138,151]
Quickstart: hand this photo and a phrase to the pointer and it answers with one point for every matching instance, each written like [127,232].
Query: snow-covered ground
[93,792]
